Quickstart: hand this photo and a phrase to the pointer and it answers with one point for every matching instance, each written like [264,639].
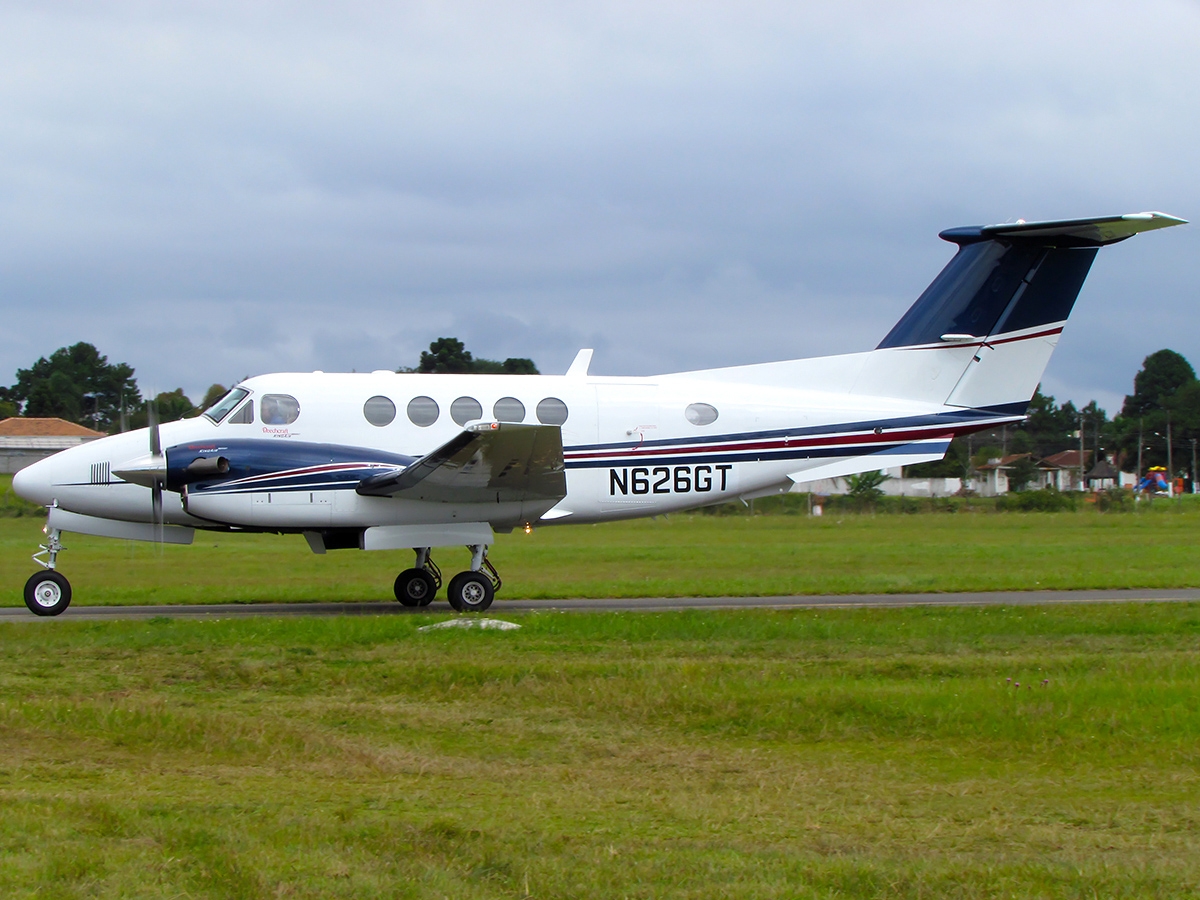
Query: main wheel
[470,592]
[415,587]
[47,593]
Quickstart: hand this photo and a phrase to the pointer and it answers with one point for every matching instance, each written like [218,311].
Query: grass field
[870,753]
[689,555]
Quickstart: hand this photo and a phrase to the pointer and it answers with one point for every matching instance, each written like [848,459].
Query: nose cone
[33,483]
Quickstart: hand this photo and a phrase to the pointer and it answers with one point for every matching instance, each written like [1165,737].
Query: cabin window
[465,409]
[225,405]
[278,409]
[552,411]
[701,414]
[379,411]
[423,411]
[509,409]
[244,416]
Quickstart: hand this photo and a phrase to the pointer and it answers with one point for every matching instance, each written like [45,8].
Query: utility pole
[1139,467]
[1170,469]
[1082,483]
[1193,465]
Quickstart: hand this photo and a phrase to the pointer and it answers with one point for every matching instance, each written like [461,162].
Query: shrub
[1046,500]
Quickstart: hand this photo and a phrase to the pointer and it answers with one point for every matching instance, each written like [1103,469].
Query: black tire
[470,592]
[415,587]
[47,593]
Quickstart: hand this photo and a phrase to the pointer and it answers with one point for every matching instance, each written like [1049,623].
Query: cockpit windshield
[225,405]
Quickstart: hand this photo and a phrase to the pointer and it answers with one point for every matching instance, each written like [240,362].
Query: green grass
[870,753]
[12,506]
[698,555]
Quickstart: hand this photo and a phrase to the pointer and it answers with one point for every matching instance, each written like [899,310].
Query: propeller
[159,474]
[150,470]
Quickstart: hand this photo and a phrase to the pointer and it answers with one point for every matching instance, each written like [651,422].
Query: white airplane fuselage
[629,448]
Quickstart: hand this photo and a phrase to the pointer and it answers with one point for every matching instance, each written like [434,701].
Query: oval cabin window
[423,411]
[701,414]
[379,411]
[509,409]
[278,409]
[465,409]
[552,411]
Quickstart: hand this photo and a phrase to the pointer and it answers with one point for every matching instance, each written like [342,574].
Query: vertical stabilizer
[981,334]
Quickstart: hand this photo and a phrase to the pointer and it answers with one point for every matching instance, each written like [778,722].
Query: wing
[494,462]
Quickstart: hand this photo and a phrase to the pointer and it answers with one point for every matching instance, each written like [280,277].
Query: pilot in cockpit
[272,414]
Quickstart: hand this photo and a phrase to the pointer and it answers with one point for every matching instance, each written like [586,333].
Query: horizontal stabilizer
[906,455]
[1095,232]
[494,462]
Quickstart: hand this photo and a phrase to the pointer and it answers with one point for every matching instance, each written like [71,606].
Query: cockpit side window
[244,416]
[278,409]
[225,405]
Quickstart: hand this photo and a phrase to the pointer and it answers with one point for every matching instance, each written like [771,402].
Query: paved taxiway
[636,604]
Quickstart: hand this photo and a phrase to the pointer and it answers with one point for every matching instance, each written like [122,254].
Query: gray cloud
[207,192]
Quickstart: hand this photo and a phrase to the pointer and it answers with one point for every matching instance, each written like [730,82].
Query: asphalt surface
[635,604]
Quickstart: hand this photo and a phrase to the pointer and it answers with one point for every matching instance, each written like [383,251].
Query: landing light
[528,528]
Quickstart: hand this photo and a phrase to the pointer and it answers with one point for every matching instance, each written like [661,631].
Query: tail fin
[981,334]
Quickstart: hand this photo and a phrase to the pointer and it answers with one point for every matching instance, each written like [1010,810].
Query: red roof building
[24,441]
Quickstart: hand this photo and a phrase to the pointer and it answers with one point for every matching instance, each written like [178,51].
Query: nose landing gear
[48,593]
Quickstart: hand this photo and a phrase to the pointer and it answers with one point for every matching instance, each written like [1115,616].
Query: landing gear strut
[474,590]
[419,585]
[470,591]
[48,593]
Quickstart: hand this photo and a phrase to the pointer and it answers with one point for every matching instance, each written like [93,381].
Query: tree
[520,366]
[1021,472]
[1164,390]
[77,383]
[212,395]
[448,354]
[865,486]
[1161,375]
[8,405]
[174,405]
[1049,427]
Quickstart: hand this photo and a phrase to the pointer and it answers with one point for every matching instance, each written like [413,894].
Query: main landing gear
[469,591]
[48,593]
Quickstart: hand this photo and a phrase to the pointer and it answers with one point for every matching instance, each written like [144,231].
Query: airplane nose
[33,483]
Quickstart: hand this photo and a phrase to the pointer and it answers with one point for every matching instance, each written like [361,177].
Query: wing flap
[496,462]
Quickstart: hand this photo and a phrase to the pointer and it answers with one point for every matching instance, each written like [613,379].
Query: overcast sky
[212,190]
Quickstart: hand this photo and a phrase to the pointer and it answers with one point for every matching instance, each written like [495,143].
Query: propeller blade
[152,418]
[156,506]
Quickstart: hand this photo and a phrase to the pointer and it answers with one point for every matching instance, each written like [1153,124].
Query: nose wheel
[47,593]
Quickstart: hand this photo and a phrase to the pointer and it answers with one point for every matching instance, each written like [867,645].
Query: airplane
[388,461]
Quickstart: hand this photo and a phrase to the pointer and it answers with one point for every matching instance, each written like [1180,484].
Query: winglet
[579,368]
